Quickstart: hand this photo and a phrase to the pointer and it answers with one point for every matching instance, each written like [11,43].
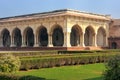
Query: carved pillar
[82,43]
[23,40]
[36,40]
[12,40]
[95,40]
[105,41]
[1,41]
[50,40]
[67,39]
[78,39]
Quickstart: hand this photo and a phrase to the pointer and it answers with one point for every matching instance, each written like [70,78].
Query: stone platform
[50,48]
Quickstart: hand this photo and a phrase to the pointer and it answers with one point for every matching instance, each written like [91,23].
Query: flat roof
[56,13]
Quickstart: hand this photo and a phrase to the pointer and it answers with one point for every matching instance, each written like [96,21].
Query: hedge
[55,52]
[15,77]
[36,63]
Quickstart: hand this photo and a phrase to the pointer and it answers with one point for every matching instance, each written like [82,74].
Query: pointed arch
[17,38]
[29,37]
[75,35]
[6,39]
[89,36]
[101,37]
[42,36]
[57,35]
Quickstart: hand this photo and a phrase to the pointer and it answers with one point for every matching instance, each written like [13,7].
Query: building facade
[114,34]
[60,29]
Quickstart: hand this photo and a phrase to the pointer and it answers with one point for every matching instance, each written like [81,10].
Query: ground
[78,72]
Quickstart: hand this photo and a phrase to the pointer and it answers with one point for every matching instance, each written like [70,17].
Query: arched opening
[57,36]
[43,37]
[101,37]
[114,45]
[17,37]
[89,35]
[29,37]
[6,40]
[75,35]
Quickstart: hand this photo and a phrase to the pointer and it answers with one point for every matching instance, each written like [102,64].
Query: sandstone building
[58,30]
[114,34]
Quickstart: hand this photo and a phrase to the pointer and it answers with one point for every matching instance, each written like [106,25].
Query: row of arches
[57,36]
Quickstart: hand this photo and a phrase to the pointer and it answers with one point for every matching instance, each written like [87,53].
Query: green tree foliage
[9,63]
[113,69]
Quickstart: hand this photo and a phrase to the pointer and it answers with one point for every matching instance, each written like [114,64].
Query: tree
[113,69]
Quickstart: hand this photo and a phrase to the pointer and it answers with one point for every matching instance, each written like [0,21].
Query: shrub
[31,78]
[113,69]
[4,76]
[36,63]
[9,63]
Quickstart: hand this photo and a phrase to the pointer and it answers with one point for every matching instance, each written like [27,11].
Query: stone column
[67,39]
[50,40]
[78,39]
[106,41]
[95,39]
[1,41]
[23,40]
[82,40]
[36,40]
[12,40]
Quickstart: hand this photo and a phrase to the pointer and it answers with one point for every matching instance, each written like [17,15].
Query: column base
[82,45]
[23,46]
[66,45]
[50,45]
[36,45]
[12,45]
[95,45]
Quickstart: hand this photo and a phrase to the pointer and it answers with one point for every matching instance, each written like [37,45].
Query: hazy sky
[20,7]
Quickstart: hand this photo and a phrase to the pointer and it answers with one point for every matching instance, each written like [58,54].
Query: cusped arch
[57,35]
[6,39]
[103,30]
[101,36]
[75,35]
[55,26]
[39,28]
[17,37]
[29,37]
[89,36]
[42,36]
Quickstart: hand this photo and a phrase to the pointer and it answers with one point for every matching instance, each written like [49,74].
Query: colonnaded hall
[63,29]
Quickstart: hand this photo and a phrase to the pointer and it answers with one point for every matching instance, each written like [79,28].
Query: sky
[19,7]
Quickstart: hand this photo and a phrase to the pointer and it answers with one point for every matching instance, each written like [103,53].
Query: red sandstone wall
[114,33]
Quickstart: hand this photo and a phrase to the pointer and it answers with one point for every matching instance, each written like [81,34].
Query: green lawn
[78,72]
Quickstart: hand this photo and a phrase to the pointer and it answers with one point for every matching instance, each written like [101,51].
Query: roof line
[54,11]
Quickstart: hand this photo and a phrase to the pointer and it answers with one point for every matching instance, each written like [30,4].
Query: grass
[78,72]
